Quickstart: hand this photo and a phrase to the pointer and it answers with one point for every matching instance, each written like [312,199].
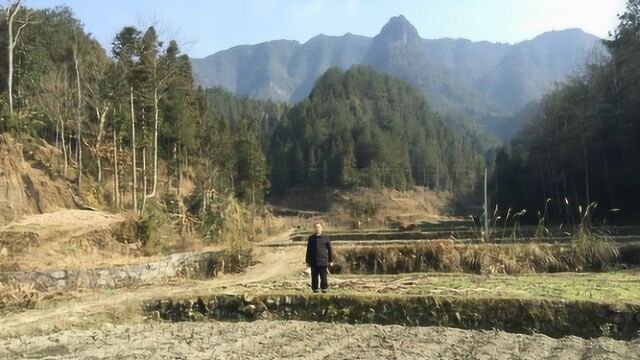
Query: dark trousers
[320,271]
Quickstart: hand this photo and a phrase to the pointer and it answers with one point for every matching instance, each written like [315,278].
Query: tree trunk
[79,118]
[133,151]
[98,158]
[11,13]
[57,134]
[586,176]
[64,148]
[10,73]
[121,193]
[71,156]
[103,118]
[155,142]
[11,10]
[116,185]
[486,209]
[179,173]
[144,177]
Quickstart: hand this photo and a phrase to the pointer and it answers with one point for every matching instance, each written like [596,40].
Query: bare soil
[310,340]
[30,179]
[109,324]
[86,308]
[333,206]
[66,239]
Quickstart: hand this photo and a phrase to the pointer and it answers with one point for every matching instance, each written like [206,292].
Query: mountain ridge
[482,79]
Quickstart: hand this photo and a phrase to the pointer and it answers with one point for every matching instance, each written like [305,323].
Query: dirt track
[123,305]
[294,339]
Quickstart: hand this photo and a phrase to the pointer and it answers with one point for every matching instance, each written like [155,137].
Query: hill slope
[361,127]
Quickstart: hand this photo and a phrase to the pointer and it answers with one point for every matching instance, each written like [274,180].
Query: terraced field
[404,298]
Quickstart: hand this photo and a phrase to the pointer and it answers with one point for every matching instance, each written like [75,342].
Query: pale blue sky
[204,27]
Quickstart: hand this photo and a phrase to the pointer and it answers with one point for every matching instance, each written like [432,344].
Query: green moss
[551,317]
[611,287]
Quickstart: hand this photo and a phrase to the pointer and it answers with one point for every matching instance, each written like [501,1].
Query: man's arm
[308,255]
[329,250]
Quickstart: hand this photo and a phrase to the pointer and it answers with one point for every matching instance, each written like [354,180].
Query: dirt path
[123,305]
[311,340]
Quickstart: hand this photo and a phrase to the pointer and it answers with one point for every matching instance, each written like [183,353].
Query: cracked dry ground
[109,325]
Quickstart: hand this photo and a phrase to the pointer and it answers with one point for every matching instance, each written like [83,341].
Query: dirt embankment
[44,220]
[362,207]
[66,239]
[30,182]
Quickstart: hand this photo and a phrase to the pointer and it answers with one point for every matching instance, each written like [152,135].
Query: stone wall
[192,264]
[555,318]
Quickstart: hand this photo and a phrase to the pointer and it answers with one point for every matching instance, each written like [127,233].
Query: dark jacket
[319,250]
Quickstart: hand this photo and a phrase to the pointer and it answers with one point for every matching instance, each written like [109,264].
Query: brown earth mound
[29,180]
[67,239]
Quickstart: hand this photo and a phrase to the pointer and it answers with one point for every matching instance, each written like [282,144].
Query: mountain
[484,80]
[361,127]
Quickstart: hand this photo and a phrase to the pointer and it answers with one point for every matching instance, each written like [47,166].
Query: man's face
[318,229]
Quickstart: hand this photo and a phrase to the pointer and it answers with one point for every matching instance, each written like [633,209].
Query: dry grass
[340,208]
[17,295]
[69,239]
[447,256]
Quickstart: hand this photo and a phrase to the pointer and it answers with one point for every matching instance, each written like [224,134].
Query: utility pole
[486,209]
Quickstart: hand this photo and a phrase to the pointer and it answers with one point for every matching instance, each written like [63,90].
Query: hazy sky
[203,27]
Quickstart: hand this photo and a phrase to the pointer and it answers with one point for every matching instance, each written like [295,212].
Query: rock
[261,307]
[371,315]
[213,304]
[58,274]
[197,316]
[249,309]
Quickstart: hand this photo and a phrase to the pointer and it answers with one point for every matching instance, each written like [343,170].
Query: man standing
[319,256]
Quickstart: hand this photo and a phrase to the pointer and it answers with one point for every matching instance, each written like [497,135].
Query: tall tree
[126,48]
[11,11]
[78,111]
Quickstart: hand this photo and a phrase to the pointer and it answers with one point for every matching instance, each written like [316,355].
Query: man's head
[318,226]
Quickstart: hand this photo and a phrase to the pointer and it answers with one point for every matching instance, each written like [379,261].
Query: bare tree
[11,10]
[101,97]
[55,97]
[156,99]
[78,115]
[133,151]
[116,184]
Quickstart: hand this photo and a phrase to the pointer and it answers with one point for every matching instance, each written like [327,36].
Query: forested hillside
[129,122]
[132,122]
[361,127]
[584,145]
[264,114]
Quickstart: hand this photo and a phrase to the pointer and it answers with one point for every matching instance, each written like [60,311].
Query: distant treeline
[583,146]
